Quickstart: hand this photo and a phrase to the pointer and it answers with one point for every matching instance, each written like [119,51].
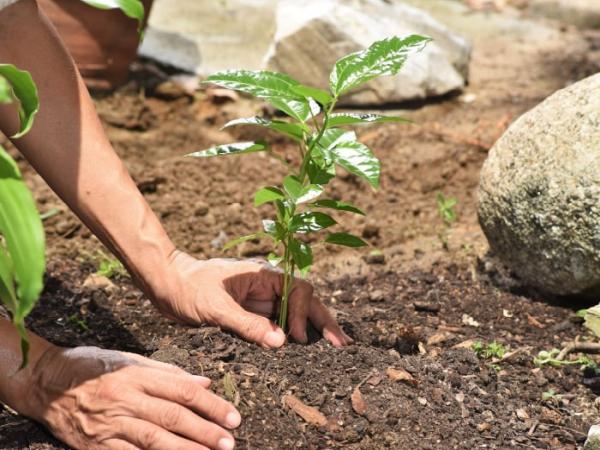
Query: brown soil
[407,310]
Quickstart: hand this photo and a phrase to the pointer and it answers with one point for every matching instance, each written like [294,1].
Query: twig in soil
[582,347]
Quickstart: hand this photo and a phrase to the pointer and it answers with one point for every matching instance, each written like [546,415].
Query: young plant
[445,206]
[111,267]
[22,248]
[322,144]
[491,350]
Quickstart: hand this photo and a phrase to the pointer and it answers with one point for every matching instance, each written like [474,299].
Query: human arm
[71,151]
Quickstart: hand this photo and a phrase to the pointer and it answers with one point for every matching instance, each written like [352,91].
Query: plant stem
[288,282]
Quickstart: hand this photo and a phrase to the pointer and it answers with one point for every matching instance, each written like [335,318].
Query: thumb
[249,326]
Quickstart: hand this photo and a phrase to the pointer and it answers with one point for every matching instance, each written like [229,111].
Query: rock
[313,34]
[593,439]
[539,193]
[377,296]
[204,36]
[580,13]
[592,320]
[99,282]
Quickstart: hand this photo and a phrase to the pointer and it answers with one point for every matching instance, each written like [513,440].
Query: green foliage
[78,322]
[491,350]
[131,8]
[550,395]
[322,147]
[581,313]
[445,207]
[22,242]
[111,268]
[548,357]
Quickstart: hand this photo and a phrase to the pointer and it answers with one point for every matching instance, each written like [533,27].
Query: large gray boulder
[205,36]
[539,195]
[313,34]
[304,39]
[581,13]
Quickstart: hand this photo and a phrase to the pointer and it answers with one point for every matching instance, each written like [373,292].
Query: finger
[299,308]
[170,368]
[118,444]
[148,436]
[321,318]
[181,421]
[249,326]
[186,391]
[264,308]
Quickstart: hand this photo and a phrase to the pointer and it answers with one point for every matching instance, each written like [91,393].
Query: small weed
[550,395]
[78,322]
[548,357]
[491,350]
[445,206]
[111,268]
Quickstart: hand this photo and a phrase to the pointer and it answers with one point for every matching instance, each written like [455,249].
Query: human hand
[94,399]
[241,296]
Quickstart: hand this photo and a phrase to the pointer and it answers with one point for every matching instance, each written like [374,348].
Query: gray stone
[581,13]
[205,36]
[539,194]
[593,439]
[313,34]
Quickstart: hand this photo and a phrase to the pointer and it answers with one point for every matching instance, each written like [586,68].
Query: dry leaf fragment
[465,344]
[468,320]
[534,322]
[439,338]
[400,375]
[522,414]
[358,404]
[375,380]
[309,413]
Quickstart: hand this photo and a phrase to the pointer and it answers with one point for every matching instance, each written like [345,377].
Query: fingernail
[233,419]
[274,339]
[226,444]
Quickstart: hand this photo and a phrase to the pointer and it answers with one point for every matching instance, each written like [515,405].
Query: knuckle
[148,437]
[171,417]
[188,392]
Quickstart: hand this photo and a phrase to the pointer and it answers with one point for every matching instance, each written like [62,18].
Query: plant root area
[415,308]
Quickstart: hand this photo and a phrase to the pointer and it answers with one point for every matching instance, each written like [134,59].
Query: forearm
[70,150]
[15,384]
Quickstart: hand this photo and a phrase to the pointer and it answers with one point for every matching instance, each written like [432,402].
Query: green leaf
[358,159]
[309,193]
[7,284]
[302,255]
[342,119]
[5,91]
[131,8]
[321,96]
[267,195]
[295,131]
[334,136]
[345,239]
[25,91]
[319,173]
[308,221]
[240,240]
[385,57]
[230,149]
[274,259]
[274,229]
[335,204]
[22,229]
[292,186]
[275,88]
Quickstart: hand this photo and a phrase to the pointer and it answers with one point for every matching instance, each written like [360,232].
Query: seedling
[78,322]
[322,144]
[491,350]
[111,268]
[550,396]
[548,357]
[445,206]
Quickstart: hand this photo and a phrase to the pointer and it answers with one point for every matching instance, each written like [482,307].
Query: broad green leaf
[335,204]
[345,239]
[274,259]
[242,239]
[309,193]
[22,229]
[334,136]
[230,149]
[5,91]
[302,255]
[385,57]
[358,159]
[25,91]
[342,119]
[274,229]
[267,195]
[318,173]
[275,88]
[7,280]
[308,221]
[295,131]
[131,8]
[292,186]
[321,96]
